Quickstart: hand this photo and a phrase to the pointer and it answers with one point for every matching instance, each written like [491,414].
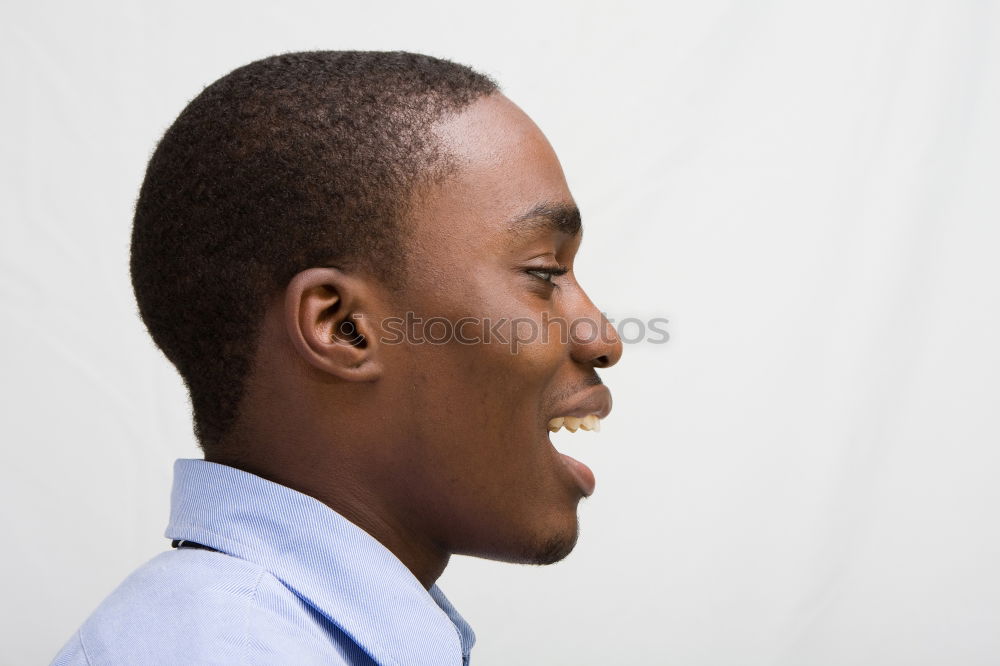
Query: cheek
[483,362]
[481,461]
[501,342]
[478,401]
[489,428]
[492,380]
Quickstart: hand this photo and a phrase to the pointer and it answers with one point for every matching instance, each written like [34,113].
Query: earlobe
[325,317]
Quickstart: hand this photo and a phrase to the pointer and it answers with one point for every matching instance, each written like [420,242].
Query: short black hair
[293,161]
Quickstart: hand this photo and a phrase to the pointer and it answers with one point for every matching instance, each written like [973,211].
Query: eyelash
[552,272]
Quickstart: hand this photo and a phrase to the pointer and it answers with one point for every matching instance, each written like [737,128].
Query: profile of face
[490,243]
[443,439]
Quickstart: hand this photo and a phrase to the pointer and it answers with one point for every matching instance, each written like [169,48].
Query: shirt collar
[334,565]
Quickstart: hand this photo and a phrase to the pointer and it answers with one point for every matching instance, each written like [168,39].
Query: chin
[553,550]
[549,545]
[540,542]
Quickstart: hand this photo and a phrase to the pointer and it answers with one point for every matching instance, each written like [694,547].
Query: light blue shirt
[294,583]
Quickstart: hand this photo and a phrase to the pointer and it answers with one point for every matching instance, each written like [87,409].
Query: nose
[595,340]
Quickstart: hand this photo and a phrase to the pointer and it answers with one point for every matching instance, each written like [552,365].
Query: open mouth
[584,412]
[582,475]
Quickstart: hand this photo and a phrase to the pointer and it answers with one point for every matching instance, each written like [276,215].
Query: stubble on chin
[552,549]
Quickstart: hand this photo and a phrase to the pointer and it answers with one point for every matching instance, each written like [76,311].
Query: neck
[337,487]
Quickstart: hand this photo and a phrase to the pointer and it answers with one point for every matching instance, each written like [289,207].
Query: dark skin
[437,449]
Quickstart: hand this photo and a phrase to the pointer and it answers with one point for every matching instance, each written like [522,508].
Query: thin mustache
[591,380]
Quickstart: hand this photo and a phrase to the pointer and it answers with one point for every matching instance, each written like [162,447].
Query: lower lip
[582,474]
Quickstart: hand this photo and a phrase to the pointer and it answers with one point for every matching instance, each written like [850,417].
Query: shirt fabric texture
[294,582]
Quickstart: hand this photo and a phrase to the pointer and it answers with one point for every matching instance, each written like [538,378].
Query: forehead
[506,169]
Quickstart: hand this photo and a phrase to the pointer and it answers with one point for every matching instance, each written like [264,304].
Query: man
[361,265]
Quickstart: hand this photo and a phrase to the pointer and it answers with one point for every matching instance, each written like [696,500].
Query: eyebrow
[548,216]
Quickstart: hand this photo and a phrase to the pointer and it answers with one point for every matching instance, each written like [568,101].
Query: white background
[806,475]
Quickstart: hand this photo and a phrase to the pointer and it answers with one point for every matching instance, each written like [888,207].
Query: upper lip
[592,400]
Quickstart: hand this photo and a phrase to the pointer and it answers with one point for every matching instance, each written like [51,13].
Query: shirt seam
[83,646]
[246,619]
[227,539]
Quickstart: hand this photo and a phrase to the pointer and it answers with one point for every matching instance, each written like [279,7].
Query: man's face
[478,470]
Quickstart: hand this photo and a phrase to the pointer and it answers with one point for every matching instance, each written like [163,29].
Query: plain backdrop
[806,475]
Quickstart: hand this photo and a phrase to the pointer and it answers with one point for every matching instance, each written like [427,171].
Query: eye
[547,274]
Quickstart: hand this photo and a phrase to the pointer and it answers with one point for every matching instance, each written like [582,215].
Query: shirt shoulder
[199,606]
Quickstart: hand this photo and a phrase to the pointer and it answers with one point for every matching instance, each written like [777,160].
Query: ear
[326,320]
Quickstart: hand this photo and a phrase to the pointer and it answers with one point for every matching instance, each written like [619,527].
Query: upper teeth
[573,423]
